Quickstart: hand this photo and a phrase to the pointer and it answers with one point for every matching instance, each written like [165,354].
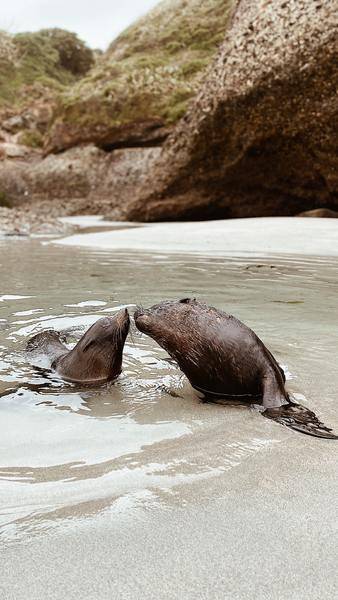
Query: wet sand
[166,498]
[269,534]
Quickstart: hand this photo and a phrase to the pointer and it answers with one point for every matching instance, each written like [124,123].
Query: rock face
[260,138]
[84,179]
[141,86]
[36,191]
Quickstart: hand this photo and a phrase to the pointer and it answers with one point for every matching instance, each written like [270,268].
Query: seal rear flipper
[301,419]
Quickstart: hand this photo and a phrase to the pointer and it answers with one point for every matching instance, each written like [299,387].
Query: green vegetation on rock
[31,62]
[4,201]
[31,137]
[149,73]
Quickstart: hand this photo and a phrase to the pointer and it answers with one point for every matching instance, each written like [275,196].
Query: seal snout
[123,319]
[122,315]
[141,318]
[138,312]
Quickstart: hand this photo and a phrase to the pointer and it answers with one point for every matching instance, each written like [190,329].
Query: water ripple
[68,452]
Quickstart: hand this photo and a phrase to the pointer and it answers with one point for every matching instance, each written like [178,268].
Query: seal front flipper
[274,394]
[301,419]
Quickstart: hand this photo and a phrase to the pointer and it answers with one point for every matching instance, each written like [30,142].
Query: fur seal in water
[96,358]
[223,358]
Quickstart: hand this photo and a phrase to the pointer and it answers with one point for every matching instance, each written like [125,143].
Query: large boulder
[141,86]
[260,138]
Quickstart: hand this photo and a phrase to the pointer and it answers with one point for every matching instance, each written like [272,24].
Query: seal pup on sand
[96,358]
[223,359]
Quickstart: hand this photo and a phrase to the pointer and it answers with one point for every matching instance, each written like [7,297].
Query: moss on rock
[31,137]
[4,201]
[51,58]
[148,74]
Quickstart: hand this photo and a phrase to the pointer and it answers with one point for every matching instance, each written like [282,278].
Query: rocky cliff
[260,137]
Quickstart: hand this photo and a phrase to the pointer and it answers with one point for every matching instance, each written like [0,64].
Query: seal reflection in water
[96,358]
[223,358]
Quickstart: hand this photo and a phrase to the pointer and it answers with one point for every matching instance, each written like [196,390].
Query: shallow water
[69,453]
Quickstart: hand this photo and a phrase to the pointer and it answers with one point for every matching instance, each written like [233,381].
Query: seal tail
[301,419]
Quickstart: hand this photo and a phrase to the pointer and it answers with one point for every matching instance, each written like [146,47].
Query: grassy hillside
[149,72]
[31,63]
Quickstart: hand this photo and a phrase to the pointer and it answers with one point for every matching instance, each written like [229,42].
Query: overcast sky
[97,22]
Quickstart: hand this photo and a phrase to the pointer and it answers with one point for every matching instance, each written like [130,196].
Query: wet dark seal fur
[96,358]
[223,358]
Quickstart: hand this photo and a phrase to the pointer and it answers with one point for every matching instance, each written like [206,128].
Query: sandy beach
[270,235]
[171,499]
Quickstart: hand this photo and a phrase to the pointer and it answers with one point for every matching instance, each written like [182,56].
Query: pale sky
[97,22]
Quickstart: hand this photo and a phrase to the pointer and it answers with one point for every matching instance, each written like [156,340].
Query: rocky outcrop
[137,133]
[261,136]
[141,86]
[83,179]
[25,221]
[36,191]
